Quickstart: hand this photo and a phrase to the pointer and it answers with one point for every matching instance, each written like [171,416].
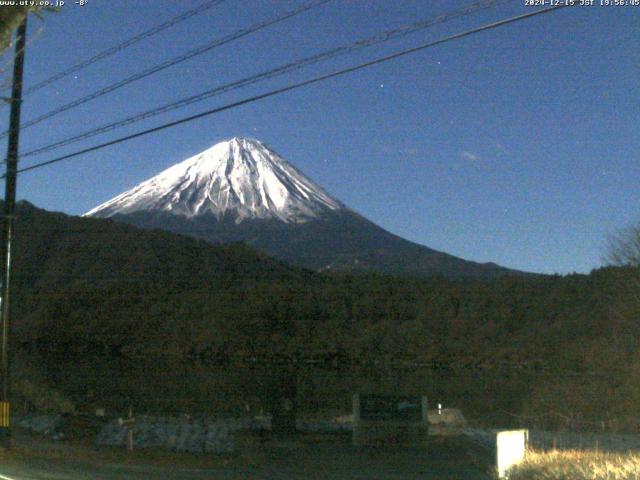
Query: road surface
[266,462]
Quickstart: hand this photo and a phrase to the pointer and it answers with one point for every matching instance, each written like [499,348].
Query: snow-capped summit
[240,179]
[242,191]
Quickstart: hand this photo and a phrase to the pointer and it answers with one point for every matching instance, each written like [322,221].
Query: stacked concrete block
[43,424]
[199,435]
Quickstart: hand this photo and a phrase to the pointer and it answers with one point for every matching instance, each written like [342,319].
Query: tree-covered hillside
[113,314]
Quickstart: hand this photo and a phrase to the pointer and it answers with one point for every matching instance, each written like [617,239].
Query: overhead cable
[274,72]
[170,63]
[294,86]
[123,45]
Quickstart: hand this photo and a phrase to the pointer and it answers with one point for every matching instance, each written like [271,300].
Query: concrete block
[511,446]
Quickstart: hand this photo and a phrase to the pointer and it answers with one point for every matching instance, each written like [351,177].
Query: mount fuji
[240,190]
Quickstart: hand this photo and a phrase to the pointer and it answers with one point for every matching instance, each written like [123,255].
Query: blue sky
[519,145]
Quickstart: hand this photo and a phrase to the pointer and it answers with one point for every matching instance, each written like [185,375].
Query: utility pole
[7,230]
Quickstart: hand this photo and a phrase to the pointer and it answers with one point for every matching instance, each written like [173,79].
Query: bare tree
[10,18]
[624,247]
[623,250]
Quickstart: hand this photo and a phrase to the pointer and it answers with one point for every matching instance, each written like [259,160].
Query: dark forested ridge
[341,241]
[112,314]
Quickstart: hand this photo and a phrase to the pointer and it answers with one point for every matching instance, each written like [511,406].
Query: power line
[281,70]
[293,86]
[172,62]
[126,44]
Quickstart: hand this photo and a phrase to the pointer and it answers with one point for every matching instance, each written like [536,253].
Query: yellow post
[4,414]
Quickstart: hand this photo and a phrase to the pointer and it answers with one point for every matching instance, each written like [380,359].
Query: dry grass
[577,465]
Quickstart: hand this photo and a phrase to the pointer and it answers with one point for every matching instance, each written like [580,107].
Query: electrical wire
[294,86]
[172,62]
[281,70]
[123,45]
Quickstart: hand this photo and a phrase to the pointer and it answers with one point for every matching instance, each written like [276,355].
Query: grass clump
[577,465]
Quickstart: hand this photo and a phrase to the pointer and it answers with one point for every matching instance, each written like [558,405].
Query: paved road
[310,462]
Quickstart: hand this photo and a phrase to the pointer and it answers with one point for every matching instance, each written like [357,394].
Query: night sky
[518,145]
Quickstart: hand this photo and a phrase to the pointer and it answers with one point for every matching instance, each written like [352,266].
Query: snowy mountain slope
[241,191]
[239,179]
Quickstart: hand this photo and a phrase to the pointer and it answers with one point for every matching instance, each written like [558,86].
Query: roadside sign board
[389,419]
[391,408]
